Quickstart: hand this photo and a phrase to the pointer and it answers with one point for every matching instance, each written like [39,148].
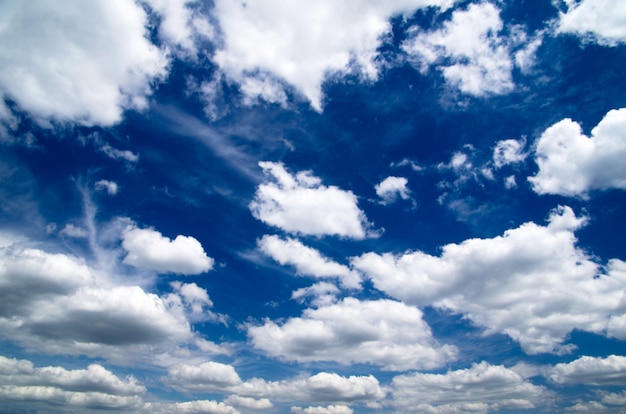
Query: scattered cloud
[301,204]
[331,409]
[599,20]
[249,403]
[306,260]
[572,164]
[482,388]
[149,249]
[205,377]
[592,371]
[320,294]
[509,151]
[279,41]
[51,70]
[386,333]
[391,188]
[110,187]
[515,283]
[469,51]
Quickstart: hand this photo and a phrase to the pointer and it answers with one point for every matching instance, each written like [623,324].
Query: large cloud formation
[55,66]
[269,42]
[381,332]
[572,164]
[532,283]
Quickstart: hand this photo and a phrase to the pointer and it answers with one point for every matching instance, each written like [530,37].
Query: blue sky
[312,207]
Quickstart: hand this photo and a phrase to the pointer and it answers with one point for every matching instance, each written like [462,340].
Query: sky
[312,207]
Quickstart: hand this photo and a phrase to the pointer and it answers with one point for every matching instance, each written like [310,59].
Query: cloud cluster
[598,20]
[391,188]
[532,283]
[301,204]
[468,50]
[386,333]
[269,42]
[572,164]
[480,389]
[56,67]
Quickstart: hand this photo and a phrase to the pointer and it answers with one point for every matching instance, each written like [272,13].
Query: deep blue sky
[312,207]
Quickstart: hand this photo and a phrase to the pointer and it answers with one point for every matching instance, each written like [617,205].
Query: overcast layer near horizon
[411,206]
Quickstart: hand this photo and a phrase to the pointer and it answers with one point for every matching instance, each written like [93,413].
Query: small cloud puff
[391,188]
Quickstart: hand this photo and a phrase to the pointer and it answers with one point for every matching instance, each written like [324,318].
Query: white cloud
[321,294]
[391,188]
[94,387]
[110,187]
[301,204]
[191,407]
[509,151]
[480,389]
[382,332]
[302,43]
[56,67]
[118,154]
[532,283]
[149,249]
[307,261]
[572,164]
[250,403]
[323,387]
[468,50]
[70,230]
[510,182]
[601,20]
[331,409]
[592,371]
[205,377]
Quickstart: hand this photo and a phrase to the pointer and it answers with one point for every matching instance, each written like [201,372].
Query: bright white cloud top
[391,188]
[301,204]
[572,164]
[598,20]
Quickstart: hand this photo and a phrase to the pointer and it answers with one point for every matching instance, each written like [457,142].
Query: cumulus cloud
[301,204]
[391,188]
[205,377]
[149,249]
[532,283]
[94,387]
[320,294]
[56,67]
[331,409]
[468,50]
[249,403]
[301,43]
[386,333]
[572,164]
[191,407]
[480,389]
[306,260]
[598,20]
[592,371]
[509,151]
[323,387]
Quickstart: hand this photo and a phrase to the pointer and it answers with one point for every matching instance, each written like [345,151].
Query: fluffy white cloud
[301,43]
[391,188]
[331,409]
[509,151]
[592,371]
[321,294]
[191,407]
[149,249]
[323,387]
[382,332]
[480,389]
[94,387]
[250,403]
[572,164]
[532,283]
[600,20]
[205,377]
[56,67]
[301,204]
[468,50]
[307,261]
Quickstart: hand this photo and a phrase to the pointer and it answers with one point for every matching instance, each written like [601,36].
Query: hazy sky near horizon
[312,207]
